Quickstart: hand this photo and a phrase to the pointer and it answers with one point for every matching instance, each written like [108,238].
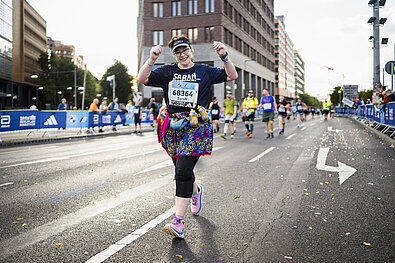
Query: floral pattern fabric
[189,141]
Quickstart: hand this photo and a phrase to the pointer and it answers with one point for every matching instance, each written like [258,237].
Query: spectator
[63,105]
[388,96]
[114,106]
[103,108]
[93,107]
[129,106]
[154,109]
[137,116]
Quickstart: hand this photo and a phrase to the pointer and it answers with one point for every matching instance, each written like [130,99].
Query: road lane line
[40,233]
[304,128]
[62,158]
[10,183]
[290,136]
[30,149]
[139,154]
[262,154]
[120,244]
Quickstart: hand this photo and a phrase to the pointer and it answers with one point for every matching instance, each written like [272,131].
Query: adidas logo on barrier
[51,121]
[118,119]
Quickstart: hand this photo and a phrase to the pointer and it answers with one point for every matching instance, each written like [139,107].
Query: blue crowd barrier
[384,115]
[33,120]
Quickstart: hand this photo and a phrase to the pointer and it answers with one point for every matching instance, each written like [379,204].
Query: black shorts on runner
[137,119]
[215,117]
[250,118]
[326,111]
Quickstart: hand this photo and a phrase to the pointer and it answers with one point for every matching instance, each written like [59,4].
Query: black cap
[182,42]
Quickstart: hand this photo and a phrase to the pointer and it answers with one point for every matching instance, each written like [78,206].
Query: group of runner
[230,109]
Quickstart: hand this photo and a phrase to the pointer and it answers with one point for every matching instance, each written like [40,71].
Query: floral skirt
[189,141]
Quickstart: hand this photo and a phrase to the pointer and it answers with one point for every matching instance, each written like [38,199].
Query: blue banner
[52,119]
[19,120]
[77,119]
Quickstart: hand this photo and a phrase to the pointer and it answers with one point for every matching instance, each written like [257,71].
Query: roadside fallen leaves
[236,197]
[366,243]
[179,256]
[287,257]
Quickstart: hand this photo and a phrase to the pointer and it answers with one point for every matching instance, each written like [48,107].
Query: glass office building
[6,39]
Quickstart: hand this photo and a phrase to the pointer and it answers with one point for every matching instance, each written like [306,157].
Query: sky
[327,33]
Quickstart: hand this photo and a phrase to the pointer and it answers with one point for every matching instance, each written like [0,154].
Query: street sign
[388,66]
[347,102]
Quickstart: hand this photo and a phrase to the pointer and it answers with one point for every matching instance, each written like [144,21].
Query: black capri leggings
[185,177]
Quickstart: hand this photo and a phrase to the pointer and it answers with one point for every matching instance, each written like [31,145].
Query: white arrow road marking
[290,136]
[262,154]
[344,170]
[330,129]
[304,128]
[166,164]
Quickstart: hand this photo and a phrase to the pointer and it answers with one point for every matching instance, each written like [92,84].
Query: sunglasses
[178,53]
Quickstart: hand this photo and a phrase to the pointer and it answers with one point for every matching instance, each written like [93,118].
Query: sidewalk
[35,136]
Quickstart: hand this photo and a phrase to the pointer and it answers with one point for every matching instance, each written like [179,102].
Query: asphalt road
[277,200]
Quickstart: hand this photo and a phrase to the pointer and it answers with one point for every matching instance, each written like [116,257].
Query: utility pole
[75,88]
[376,46]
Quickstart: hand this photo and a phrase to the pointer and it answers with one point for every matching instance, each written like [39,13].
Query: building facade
[5,52]
[245,27]
[351,92]
[299,74]
[284,61]
[26,32]
[67,51]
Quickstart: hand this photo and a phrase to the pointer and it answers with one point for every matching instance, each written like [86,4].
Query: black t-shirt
[215,109]
[299,107]
[281,107]
[155,108]
[204,75]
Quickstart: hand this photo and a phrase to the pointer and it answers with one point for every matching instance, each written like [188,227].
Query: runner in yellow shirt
[250,104]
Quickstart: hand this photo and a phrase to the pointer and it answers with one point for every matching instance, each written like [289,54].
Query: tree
[309,100]
[335,96]
[57,76]
[122,82]
[365,95]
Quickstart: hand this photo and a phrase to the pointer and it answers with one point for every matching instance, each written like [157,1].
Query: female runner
[186,88]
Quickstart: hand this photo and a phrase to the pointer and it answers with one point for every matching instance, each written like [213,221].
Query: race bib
[136,111]
[248,113]
[300,107]
[183,94]
[229,118]
[267,106]
[281,109]
[214,112]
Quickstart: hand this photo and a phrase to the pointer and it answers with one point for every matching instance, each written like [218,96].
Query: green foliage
[365,95]
[335,96]
[122,82]
[57,75]
[309,100]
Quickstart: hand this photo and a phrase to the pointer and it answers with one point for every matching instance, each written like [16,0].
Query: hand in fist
[219,48]
[155,52]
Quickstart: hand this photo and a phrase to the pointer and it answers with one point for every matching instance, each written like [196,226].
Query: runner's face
[250,94]
[229,96]
[183,56]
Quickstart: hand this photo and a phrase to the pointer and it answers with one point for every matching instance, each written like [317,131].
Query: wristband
[224,56]
[149,63]
[226,59]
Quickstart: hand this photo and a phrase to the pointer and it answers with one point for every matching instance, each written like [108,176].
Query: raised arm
[228,65]
[145,70]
